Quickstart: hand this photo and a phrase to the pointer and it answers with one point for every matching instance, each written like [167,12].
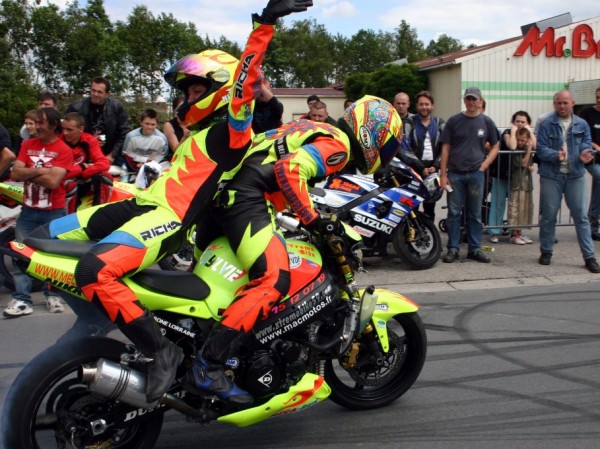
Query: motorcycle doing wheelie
[387,209]
[363,348]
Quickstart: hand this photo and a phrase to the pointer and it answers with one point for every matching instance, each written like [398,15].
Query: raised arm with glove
[277,9]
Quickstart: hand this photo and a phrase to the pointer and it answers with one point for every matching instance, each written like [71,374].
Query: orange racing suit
[134,234]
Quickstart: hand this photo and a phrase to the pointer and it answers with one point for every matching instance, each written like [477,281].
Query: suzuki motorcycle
[362,348]
[387,209]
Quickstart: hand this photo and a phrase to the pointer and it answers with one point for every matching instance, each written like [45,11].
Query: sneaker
[518,240]
[592,265]
[16,308]
[53,304]
[526,239]
[494,239]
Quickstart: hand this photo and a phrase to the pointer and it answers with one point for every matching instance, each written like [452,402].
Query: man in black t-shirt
[462,172]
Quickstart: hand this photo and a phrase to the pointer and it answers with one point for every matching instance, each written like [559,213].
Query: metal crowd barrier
[564,219]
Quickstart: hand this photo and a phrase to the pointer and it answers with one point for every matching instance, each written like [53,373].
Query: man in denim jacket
[564,146]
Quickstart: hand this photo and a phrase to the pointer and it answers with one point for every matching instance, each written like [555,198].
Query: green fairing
[389,304]
[218,267]
[56,271]
[13,190]
[311,390]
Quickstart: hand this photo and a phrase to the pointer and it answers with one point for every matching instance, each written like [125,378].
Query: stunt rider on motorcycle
[276,174]
[135,233]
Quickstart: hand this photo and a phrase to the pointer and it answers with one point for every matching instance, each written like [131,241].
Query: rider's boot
[208,373]
[166,356]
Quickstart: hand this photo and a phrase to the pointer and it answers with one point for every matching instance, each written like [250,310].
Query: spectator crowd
[487,173]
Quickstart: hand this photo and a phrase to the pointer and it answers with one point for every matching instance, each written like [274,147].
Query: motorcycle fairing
[296,311]
[53,269]
[310,390]
[305,264]
[120,191]
[381,213]
[13,191]
[389,304]
[218,267]
[353,184]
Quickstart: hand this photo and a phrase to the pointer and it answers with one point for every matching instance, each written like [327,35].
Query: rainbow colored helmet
[214,69]
[375,130]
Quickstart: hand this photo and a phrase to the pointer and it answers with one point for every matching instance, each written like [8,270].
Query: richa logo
[583,44]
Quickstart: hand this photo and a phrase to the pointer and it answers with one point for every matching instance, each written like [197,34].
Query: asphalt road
[506,368]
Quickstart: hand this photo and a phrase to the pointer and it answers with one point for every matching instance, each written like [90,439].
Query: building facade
[294,101]
[520,73]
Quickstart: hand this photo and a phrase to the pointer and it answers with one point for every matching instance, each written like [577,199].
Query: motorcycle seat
[174,283]
[183,284]
[70,248]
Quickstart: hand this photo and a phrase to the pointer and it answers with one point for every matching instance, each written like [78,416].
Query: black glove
[279,8]
[324,226]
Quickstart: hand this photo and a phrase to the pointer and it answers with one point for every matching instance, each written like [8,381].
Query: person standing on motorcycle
[275,175]
[138,232]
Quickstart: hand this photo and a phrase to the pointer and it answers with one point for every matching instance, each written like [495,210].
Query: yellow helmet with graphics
[375,130]
[215,70]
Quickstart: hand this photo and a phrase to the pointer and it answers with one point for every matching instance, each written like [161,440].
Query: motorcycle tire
[47,403]
[443,225]
[7,264]
[425,250]
[376,381]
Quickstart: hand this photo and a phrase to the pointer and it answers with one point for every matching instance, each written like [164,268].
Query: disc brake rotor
[370,371]
[423,243]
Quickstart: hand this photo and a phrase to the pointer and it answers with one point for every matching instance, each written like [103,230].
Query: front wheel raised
[378,379]
[417,242]
[48,407]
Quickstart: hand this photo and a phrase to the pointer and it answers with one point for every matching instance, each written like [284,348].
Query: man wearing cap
[462,172]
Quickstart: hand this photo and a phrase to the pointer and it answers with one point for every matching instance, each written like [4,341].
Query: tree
[225,45]
[300,56]
[18,92]
[178,39]
[444,44]
[386,82]
[363,52]
[48,45]
[90,47]
[408,44]
[142,38]
[15,27]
